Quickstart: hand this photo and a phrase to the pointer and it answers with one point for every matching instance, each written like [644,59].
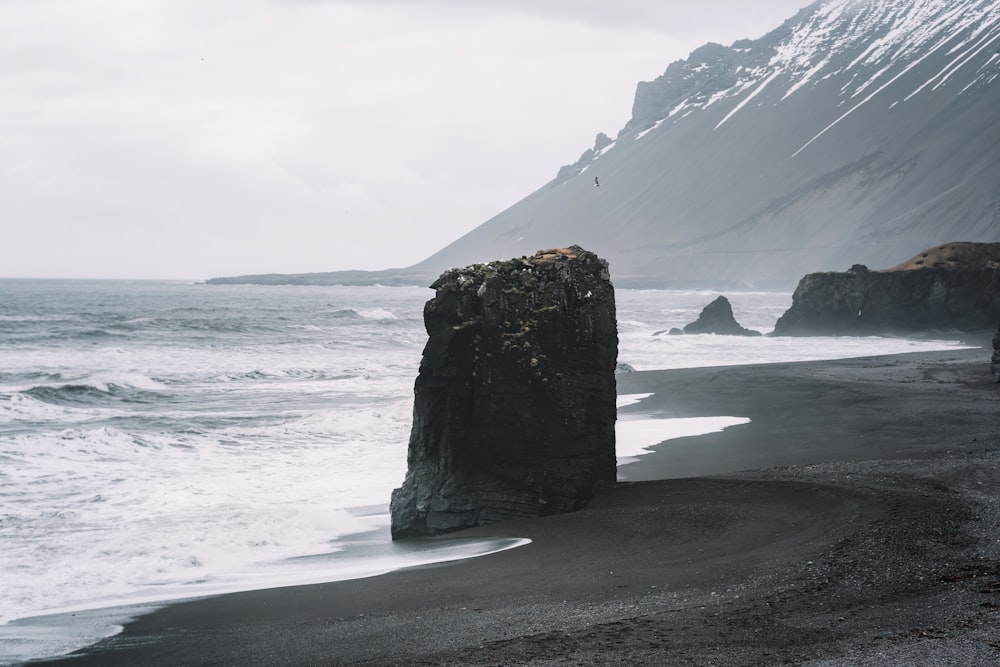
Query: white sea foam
[377,314]
[635,435]
[22,407]
[116,514]
[645,351]
[629,399]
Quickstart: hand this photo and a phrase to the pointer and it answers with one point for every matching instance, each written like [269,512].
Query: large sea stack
[955,286]
[514,403]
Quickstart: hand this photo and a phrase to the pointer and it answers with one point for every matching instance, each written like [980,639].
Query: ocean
[167,440]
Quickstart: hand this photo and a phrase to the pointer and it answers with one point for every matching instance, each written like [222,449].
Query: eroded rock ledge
[955,286]
[514,403]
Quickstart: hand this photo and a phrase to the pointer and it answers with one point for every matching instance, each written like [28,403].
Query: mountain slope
[860,131]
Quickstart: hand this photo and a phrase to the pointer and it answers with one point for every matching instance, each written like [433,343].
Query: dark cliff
[955,286]
[514,404]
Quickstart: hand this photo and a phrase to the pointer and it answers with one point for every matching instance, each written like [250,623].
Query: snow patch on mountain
[865,46]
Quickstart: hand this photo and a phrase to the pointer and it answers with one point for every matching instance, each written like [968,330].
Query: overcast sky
[187,139]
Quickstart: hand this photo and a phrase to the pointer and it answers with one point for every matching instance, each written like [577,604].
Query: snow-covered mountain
[859,131]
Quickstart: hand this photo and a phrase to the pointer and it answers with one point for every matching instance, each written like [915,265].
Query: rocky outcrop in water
[955,286]
[717,318]
[514,403]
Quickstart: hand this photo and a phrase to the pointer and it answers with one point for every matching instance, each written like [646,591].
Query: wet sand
[855,520]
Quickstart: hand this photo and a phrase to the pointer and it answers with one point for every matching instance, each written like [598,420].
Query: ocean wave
[213,323]
[31,377]
[19,407]
[364,314]
[27,317]
[68,394]
[98,333]
[284,374]
[97,389]
[377,314]
[67,458]
[345,313]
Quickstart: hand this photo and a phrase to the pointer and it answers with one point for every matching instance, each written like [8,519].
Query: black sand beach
[854,521]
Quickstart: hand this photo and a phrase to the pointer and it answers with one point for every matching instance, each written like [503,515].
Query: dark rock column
[514,404]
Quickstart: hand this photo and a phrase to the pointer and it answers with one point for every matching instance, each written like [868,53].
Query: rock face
[952,286]
[717,318]
[514,404]
[996,356]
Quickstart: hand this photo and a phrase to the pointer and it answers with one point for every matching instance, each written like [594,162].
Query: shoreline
[49,633]
[867,490]
[360,555]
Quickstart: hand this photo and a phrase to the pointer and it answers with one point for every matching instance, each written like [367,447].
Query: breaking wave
[97,390]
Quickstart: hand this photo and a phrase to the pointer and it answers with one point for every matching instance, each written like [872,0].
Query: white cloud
[178,138]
